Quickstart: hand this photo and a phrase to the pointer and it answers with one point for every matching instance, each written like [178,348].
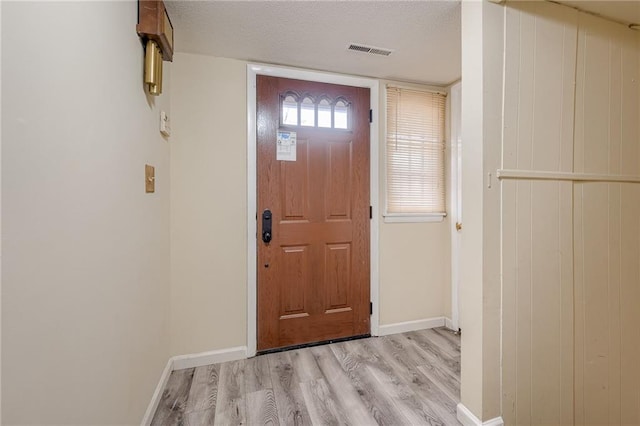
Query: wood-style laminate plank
[433,353]
[261,408]
[444,387]
[305,365]
[341,387]
[323,409]
[286,388]
[204,389]
[257,374]
[445,342]
[379,403]
[452,339]
[424,395]
[408,406]
[231,404]
[199,418]
[174,398]
[440,374]
[422,402]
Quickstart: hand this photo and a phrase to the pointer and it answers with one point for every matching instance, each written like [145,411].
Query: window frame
[391,217]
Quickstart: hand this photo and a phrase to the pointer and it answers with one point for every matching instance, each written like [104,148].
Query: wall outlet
[165,127]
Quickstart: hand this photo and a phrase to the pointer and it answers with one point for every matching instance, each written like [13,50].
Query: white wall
[208,204]
[414,271]
[480,243]
[472,187]
[85,252]
[208,219]
[415,258]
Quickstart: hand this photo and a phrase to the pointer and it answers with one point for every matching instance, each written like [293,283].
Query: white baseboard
[403,327]
[449,324]
[157,394]
[467,418]
[181,362]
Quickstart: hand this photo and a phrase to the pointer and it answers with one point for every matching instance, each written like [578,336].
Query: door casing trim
[254,69]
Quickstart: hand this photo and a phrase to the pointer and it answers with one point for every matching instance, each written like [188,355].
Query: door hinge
[370,116]
[370,308]
[370,212]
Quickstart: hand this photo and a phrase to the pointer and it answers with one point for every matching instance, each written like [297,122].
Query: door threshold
[312,344]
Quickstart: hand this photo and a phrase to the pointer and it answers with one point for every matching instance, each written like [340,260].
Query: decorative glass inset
[341,115]
[307,112]
[324,113]
[290,111]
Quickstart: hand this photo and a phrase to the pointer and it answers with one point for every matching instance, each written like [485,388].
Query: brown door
[313,275]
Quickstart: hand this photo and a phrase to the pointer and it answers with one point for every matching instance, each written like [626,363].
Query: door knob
[458,226]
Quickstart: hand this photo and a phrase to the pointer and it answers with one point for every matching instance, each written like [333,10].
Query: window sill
[413,218]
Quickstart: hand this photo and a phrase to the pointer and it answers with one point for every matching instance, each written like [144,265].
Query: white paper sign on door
[286,146]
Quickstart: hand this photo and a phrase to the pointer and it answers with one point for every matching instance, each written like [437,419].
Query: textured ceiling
[424,35]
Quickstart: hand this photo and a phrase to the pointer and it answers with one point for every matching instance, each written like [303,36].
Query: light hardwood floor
[409,378]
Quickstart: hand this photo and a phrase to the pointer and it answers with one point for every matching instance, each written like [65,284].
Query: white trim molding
[403,327]
[454,101]
[448,322]
[254,69]
[157,394]
[467,418]
[565,176]
[181,362]
[413,218]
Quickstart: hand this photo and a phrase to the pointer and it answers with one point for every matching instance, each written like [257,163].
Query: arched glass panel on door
[289,110]
[341,114]
[307,112]
[324,113]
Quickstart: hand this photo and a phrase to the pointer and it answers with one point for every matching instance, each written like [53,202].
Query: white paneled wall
[607,226]
[537,216]
[571,280]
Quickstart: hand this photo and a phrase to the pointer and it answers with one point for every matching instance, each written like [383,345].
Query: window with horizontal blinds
[415,151]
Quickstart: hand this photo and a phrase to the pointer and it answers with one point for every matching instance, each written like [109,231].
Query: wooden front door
[313,178]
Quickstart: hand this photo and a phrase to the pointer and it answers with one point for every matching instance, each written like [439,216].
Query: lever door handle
[266,226]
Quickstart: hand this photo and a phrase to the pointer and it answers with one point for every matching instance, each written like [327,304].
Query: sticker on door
[286,146]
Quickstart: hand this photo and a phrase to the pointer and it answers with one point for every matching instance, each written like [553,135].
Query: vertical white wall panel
[537,216]
[607,382]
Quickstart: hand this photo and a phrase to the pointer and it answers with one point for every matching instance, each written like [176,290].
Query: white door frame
[252,235]
[455,96]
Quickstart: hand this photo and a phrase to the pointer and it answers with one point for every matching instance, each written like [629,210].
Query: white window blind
[415,151]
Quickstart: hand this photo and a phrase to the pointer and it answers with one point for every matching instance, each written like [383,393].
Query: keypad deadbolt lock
[266,226]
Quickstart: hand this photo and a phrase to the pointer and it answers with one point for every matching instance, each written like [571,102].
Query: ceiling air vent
[370,49]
